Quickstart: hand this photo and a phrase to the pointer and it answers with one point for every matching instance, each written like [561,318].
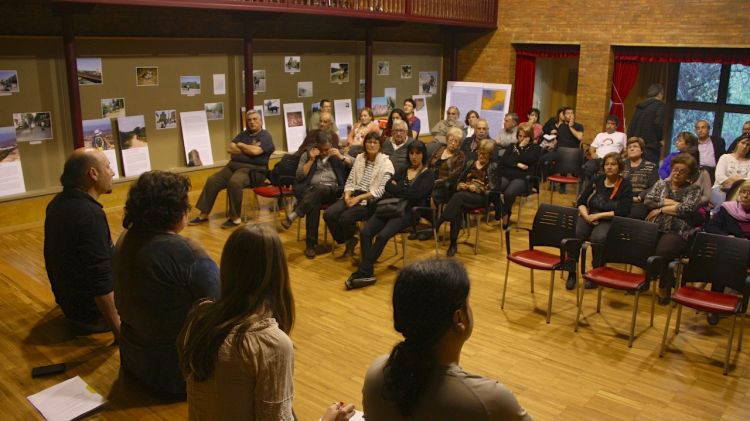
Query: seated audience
[325,125]
[673,203]
[440,130]
[710,147]
[610,140]
[235,352]
[516,165]
[684,142]
[533,117]
[448,163]
[396,145]
[471,119]
[158,276]
[413,184]
[470,144]
[641,174]
[476,180]
[421,378]
[326,106]
[607,196]
[507,135]
[365,185]
[321,175]
[396,115]
[415,124]
[733,216]
[249,150]
[362,127]
[731,168]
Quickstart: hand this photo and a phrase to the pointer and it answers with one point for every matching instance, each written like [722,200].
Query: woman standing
[235,352]
[673,203]
[731,168]
[641,174]
[412,184]
[365,185]
[477,179]
[361,128]
[515,166]
[421,378]
[607,196]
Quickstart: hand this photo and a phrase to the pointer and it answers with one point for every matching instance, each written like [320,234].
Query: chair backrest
[718,259]
[285,170]
[552,224]
[570,161]
[630,241]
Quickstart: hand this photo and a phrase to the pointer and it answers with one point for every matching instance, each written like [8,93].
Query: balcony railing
[466,13]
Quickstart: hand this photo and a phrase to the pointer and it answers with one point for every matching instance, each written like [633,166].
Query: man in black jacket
[648,123]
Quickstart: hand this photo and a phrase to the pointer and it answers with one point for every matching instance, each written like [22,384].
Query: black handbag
[390,208]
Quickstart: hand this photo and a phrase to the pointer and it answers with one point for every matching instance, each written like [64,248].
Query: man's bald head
[78,174]
[326,121]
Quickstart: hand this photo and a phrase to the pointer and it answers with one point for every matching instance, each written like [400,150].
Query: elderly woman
[515,166]
[673,203]
[607,196]
[684,142]
[365,185]
[361,128]
[641,174]
[448,163]
[477,179]
[731,167]
[733,216]
[412,184]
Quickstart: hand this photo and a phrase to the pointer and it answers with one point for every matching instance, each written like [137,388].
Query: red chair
[629,242]
[554,226]
[722,262]
[570,162]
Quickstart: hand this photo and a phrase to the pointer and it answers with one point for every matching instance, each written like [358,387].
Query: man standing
[325,124]
[250,151]
[321,175]
[470,145]
[648,123]
[397,145]
[710,148]
[441,129]
[604,143]
[78,245]
[507,135]
[326,106]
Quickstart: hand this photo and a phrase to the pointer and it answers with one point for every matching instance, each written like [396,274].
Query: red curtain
[684,55]
[524,85]
[623,78]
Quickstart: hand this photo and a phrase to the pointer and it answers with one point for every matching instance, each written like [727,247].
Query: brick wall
[597,25]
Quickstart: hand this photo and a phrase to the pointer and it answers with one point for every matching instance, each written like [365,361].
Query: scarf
[736,211]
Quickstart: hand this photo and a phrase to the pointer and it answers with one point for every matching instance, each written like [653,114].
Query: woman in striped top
[365,185]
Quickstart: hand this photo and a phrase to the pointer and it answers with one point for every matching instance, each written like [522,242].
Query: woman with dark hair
[684,142]
[534,116]
[412,184]
[396,114]
[731,168]
[235,352]
[641,174]
[158,276]
[365,185]
[478,178]
[421,378]
[673,203]
[516,164]
[471,119]
[361,128]
[415,124]
[607,196]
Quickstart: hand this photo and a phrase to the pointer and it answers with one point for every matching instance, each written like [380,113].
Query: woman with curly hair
[421,378]
[158,276]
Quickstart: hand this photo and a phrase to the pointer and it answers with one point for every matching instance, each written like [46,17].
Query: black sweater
[596,197]
[415,192]
[509,161]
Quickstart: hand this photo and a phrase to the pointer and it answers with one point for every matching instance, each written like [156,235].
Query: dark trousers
[593,233]
[381,230]
[511,189]
[342,221]
[670,246]
[454,210]
[234,177]
[638,211]
[309,202]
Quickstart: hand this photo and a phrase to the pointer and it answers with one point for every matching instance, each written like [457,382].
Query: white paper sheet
[294,125]
[133,145]
[67,400]
[342,109]
[219,84]
[11,173]
[196,138]
[421,112]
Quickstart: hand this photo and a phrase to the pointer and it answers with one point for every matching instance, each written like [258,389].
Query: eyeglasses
[398,130]
[745,192]
[676,171]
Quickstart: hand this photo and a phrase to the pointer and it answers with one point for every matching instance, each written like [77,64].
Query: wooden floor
[555,373]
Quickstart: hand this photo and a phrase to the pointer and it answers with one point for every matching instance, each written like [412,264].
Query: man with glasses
[397,145]
[452,120]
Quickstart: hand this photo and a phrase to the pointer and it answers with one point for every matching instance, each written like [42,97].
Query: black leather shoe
[571,282]
[713,318]
[350,245]
[357,281]
[590,285]
[452,249]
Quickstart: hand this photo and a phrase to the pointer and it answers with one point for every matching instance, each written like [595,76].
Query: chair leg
[476,239]
[677,323]
[598,298]
[435,239]
[632,321]
[653,303]
[729,345]
[531,271]
[666,329]
[579,299]
[299,228]
[742,328]
[551,292]
[505,283]
[403,246]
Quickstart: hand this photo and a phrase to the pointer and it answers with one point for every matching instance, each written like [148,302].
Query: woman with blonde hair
[235,352]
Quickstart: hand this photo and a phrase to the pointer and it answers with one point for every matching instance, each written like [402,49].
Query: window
[713,92]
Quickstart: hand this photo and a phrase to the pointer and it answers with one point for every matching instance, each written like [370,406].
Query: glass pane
[684,121]
[732,127]
[739,81]
[698,82]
